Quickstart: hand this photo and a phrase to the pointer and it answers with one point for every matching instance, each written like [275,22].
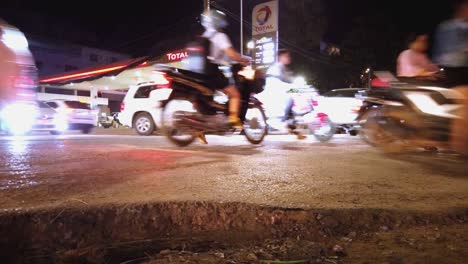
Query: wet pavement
[45,171]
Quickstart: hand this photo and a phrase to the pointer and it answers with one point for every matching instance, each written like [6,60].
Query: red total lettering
[264,28]
[176,56]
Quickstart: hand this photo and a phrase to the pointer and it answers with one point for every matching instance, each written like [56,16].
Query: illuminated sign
[176,56]
[264,34]
[265,18]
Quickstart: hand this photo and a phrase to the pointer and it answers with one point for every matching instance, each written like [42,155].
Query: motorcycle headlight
[18,118]
[426,104]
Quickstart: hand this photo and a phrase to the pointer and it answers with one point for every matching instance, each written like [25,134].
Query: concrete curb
[35,233]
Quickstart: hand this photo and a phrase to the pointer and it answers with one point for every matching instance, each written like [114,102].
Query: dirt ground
[428,244]
[205,232]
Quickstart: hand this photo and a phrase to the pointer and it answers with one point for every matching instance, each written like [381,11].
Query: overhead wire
[302,52]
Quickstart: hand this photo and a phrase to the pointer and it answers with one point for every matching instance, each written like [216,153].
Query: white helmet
[214,19]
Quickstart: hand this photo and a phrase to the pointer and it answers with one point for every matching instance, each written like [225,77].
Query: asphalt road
[45,171]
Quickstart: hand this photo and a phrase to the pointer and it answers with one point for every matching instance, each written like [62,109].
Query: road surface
[45,171]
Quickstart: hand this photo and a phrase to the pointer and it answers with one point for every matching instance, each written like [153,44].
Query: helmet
[214,19]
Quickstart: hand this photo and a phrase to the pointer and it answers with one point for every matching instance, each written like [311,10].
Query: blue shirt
[451,44]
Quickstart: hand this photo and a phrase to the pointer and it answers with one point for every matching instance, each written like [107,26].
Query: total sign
[176,56]
[265,18]
[265,34]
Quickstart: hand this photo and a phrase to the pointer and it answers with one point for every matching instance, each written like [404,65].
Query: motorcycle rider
[278,83]
[8,69]
[214,22]
[451,52]
[451,46]
[413,62]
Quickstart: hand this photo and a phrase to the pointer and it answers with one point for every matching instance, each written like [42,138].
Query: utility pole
[242,27]
[206,5]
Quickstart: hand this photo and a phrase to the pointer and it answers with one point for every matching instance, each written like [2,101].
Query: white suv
[73,115]
[140,111]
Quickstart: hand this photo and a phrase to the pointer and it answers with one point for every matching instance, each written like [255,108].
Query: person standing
[451,52]
[451,46]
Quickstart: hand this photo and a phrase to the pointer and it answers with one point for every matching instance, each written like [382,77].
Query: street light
[250,45]
[250,48]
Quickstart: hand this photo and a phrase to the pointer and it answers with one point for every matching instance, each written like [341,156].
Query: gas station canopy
[115,76]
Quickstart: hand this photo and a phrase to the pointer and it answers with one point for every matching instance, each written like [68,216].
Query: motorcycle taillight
[161,79]
[322,117]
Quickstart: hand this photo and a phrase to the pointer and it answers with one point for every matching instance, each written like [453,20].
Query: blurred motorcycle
[18,82]
[405,116]
[189,108]
[304,117]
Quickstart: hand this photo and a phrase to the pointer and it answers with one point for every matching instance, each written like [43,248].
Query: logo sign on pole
[265,34]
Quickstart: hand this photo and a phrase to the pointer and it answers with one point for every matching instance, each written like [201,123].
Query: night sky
[136,26]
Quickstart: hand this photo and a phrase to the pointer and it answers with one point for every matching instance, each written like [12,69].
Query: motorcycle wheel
[168,120]
[325,132]
[365,133]
[255,125]
[378,136]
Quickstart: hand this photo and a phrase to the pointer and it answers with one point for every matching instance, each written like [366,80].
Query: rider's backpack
[198,52]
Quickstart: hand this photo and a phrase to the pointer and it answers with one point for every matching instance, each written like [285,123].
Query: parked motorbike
[189,108]
[405,116]
[108,121]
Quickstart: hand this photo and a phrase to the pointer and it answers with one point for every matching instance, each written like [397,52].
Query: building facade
[54,58]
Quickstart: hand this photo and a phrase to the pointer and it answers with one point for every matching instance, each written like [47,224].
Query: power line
[304,53]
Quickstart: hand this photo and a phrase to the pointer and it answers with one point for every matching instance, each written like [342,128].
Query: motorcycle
[304,117]
[189,108]
[404,116]
[108,121]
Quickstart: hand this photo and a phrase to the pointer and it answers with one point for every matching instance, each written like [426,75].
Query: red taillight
[122,106]
[161,79]
[314,102]
[196,48]
[322,117]
[378,82]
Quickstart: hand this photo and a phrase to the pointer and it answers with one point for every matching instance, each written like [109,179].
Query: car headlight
[60,122]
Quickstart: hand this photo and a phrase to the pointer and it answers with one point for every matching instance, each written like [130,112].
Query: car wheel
[143,124]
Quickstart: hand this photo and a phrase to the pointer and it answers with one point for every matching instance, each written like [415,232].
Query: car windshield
[43,105]
[77,105]
[341,93]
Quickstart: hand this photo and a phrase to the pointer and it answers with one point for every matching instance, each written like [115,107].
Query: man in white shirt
[451,46]
[276,95]
[221,50]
